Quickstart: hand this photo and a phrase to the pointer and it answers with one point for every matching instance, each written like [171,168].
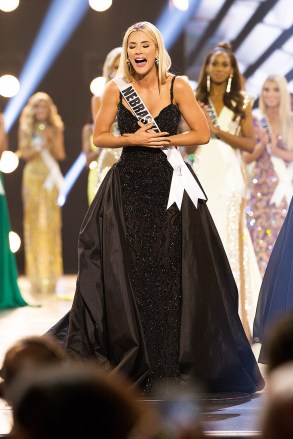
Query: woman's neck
[217,90]
[149,80]
[272,113]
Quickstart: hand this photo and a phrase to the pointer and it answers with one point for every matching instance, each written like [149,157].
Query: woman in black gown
[155,295]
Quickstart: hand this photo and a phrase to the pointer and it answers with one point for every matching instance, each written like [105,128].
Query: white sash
[55,176]
[182,178]
[284,188]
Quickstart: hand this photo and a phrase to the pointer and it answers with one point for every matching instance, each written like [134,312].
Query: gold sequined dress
[42,227]
[221,171]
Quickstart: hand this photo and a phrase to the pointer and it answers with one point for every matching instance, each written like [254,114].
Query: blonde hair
[27,118]
[285,113]
[110,61]
[164,60]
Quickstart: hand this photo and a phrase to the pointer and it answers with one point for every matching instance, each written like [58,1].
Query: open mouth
[140,62]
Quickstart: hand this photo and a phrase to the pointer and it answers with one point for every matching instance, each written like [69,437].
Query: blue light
[60,22]
[71,177]
[172,21]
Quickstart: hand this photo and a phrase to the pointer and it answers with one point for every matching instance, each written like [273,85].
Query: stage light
[60,22]
[8,162]
[173,19]
[14,242]
[97,86]
[100,5]
[182,5]
[8,5]
[9,86]
[71,177]
[93,164]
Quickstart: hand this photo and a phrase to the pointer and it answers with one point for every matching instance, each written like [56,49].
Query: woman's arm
[198,130]
[54,142]
[245,141]
[95,106]
[284,154]
[25,145]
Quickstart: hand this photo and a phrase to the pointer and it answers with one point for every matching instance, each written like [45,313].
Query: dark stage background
[67,82]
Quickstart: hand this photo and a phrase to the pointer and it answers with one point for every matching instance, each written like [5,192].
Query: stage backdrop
[67,82]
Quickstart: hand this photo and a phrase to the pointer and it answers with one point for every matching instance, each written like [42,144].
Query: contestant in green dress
[10,296]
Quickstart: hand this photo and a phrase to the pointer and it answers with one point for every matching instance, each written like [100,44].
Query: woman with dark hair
[219,167]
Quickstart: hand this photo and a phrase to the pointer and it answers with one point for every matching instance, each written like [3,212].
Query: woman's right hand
[146,136]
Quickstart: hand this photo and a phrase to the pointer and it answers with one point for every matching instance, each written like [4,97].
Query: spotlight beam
[71,177]
[60,22]
[172,22]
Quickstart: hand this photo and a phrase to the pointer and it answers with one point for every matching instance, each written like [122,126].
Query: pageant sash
[55,176]
[182,178]
[284,188]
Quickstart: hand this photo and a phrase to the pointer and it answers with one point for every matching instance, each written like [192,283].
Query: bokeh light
[9,162]
[97,85]
[100,5]
[182,5]
[9,86]
[8,5]
[14,242]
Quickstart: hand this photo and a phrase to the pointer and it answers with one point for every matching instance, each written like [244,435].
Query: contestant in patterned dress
[270,167]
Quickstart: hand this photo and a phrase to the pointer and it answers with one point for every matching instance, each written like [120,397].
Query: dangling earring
[129,65]
[228,88]
[157,61]
[208,83]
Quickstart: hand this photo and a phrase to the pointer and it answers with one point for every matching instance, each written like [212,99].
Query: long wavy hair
[155,35]
[285,113]
[109,63]
[235,100]
[28,115]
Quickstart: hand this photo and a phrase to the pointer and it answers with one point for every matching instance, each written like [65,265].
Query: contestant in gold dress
[41,146]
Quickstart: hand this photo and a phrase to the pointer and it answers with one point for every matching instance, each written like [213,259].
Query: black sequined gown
[155,295]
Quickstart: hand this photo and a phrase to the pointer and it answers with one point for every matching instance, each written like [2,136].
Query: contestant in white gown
[221,171]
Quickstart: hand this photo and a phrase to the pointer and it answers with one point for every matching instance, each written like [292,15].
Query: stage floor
[221,417]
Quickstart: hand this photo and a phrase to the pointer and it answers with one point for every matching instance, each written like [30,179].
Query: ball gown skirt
[155,296]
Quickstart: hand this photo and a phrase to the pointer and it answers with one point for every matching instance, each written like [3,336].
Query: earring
[157,61]
[129,65]
[228,88]
[208,83]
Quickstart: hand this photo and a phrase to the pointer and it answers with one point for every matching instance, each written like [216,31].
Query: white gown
[220,170]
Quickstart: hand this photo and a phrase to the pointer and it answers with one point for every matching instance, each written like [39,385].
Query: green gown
[10,296]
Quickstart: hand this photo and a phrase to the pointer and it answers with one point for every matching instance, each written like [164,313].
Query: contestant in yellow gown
[100,160]
[41,146]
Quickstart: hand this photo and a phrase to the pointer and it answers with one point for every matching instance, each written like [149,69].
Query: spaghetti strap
[171,89]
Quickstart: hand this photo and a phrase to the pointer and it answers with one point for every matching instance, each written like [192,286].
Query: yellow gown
[42,227]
